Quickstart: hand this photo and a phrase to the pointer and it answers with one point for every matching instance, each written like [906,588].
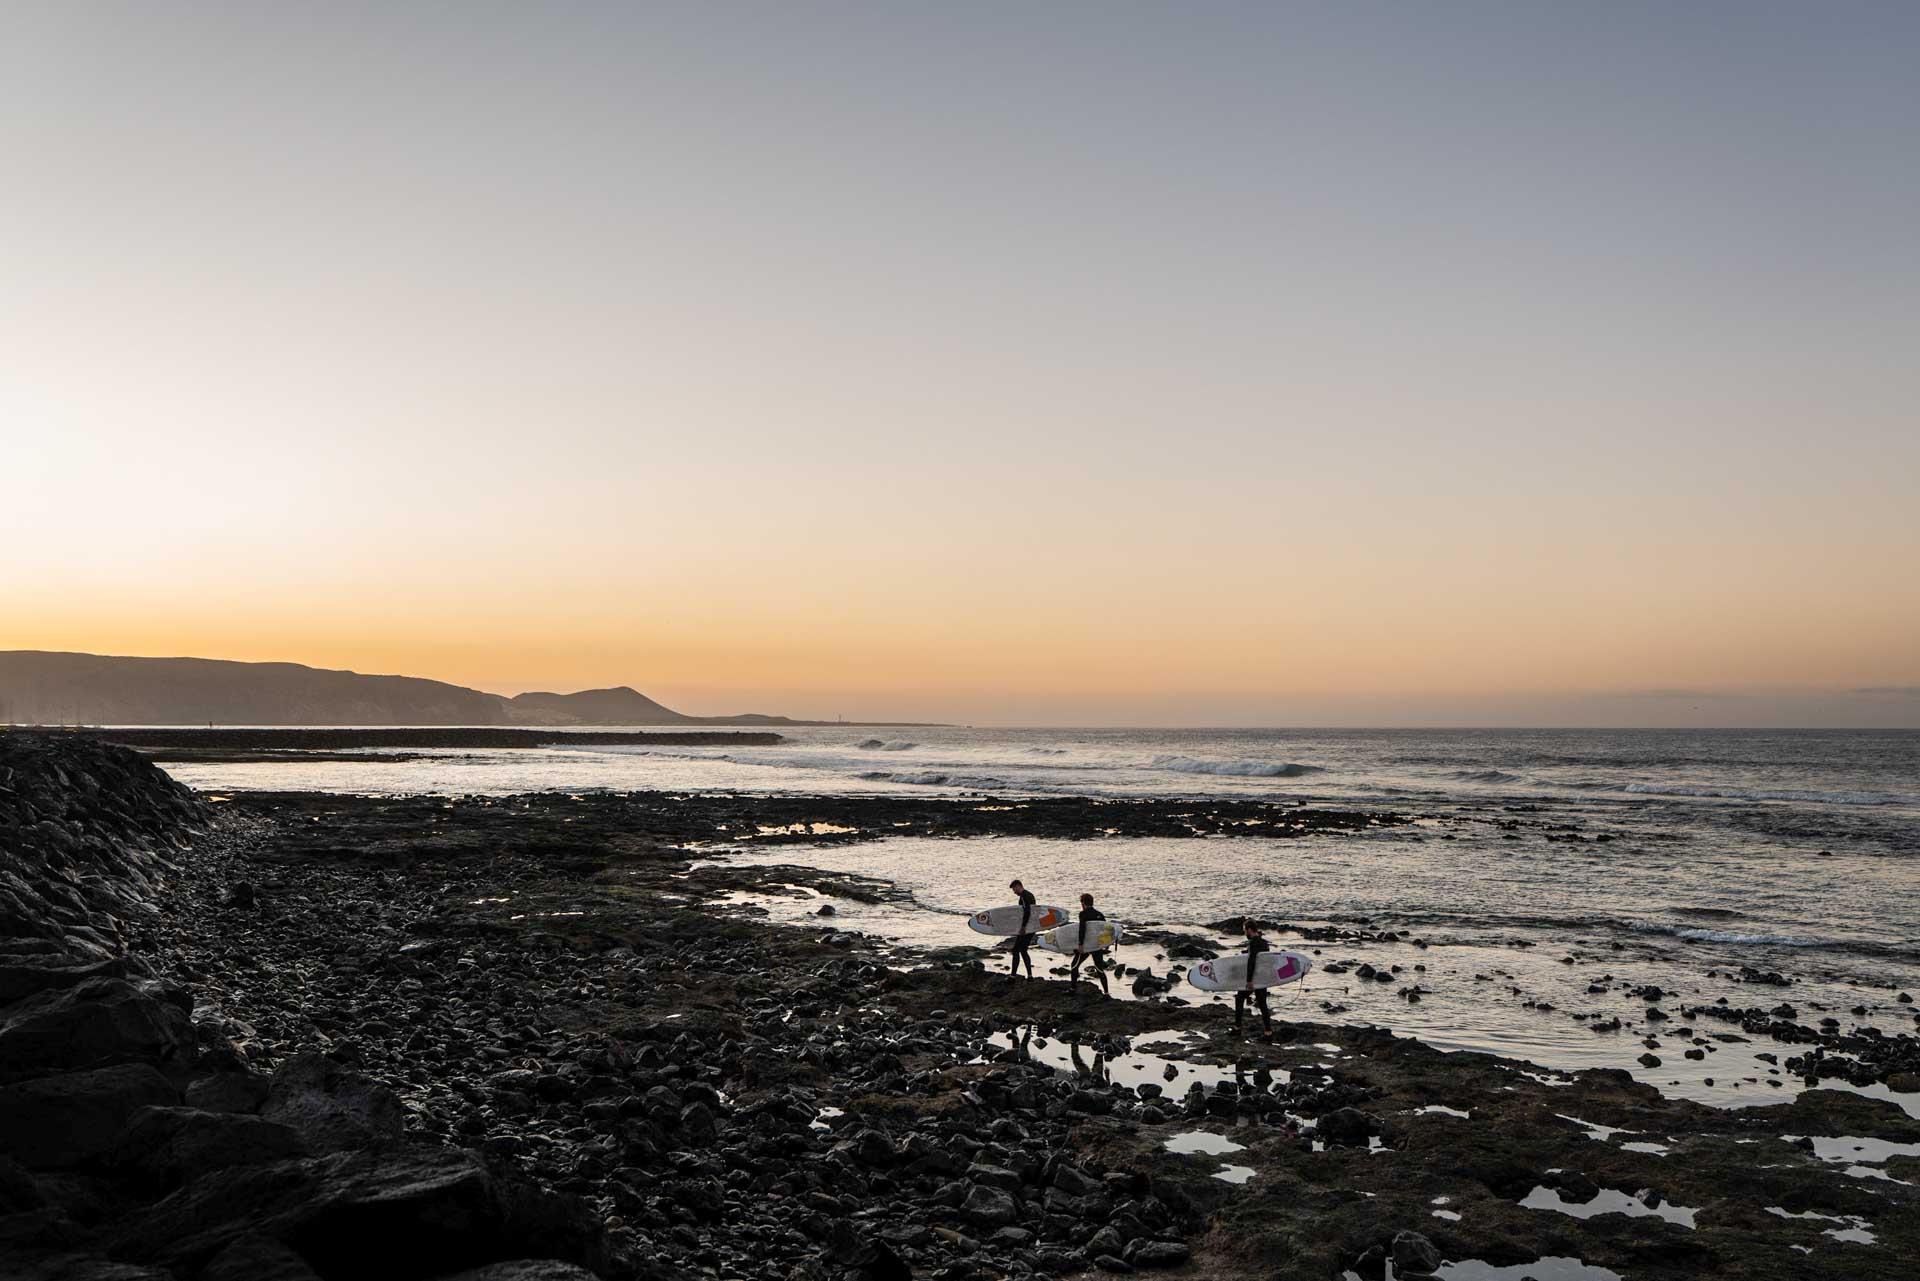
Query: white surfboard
[1229,973]
[1004,922]
[1097,937]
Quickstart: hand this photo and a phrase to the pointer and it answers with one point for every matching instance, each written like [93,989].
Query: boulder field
[539,1038]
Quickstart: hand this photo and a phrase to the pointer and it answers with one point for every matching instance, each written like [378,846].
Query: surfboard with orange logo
[1004,922]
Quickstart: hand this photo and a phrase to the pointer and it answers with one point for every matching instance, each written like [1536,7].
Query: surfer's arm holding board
[1089,914]
[1255,945]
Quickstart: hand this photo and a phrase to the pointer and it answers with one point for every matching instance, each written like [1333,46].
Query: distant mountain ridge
[49,687]
[621,705]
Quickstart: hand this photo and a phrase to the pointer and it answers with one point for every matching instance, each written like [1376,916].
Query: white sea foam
[1243,769]
[933,778]
[1731,936]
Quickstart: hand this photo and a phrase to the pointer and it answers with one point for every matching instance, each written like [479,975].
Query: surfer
[1256,944]
[1088,912]
[1023,940]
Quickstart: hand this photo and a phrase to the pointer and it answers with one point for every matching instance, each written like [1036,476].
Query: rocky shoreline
[295,1036]
[176,744]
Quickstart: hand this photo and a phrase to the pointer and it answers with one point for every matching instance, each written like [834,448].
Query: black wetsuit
[1099,957]
[1255,946]
[1023,940]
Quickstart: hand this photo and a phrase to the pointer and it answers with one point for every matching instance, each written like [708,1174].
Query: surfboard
[1004,922]
[1100,935]
[1229,973]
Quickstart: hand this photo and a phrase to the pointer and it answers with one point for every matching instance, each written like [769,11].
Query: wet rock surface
[520,1038]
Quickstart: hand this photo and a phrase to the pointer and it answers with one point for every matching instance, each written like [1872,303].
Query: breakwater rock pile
[136,1142]
[88,830]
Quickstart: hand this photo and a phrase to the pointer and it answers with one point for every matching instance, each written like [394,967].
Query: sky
[1060,363]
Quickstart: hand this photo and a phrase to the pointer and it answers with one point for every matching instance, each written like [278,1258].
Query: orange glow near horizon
[1313,658]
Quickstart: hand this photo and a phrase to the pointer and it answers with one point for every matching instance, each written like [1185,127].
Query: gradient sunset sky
[1282,364]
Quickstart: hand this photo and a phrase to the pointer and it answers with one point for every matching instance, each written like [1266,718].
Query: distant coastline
[183,745]
[50,688]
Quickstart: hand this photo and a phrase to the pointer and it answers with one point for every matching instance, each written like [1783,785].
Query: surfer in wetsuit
[1088,912]
[1256,944]
[1023,940]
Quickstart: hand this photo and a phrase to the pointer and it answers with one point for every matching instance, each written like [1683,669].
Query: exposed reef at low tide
[301,1036]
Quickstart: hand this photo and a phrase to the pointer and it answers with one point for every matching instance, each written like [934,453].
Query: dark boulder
[1413,1253]
[75,1266]
[96,1023]
[1158,1254]
[31,975]
[228,1092]
[257,1258]
[994,1176]
[333,1107]
[167,1146]
[1076,1182]
[990,1207]
[417,1212]
[852,1255]
[69,1120]
[1146,983]
[19,1190]
[1574,1186]
[698,1122]
[868,1147]
[1347,1127]
[528,1270]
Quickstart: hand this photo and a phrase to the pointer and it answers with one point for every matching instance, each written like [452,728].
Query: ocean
[1549,871]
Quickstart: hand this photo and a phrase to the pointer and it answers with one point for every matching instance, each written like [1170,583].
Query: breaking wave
[1484,776]
[890,745]
[933,778]
[1243,769]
